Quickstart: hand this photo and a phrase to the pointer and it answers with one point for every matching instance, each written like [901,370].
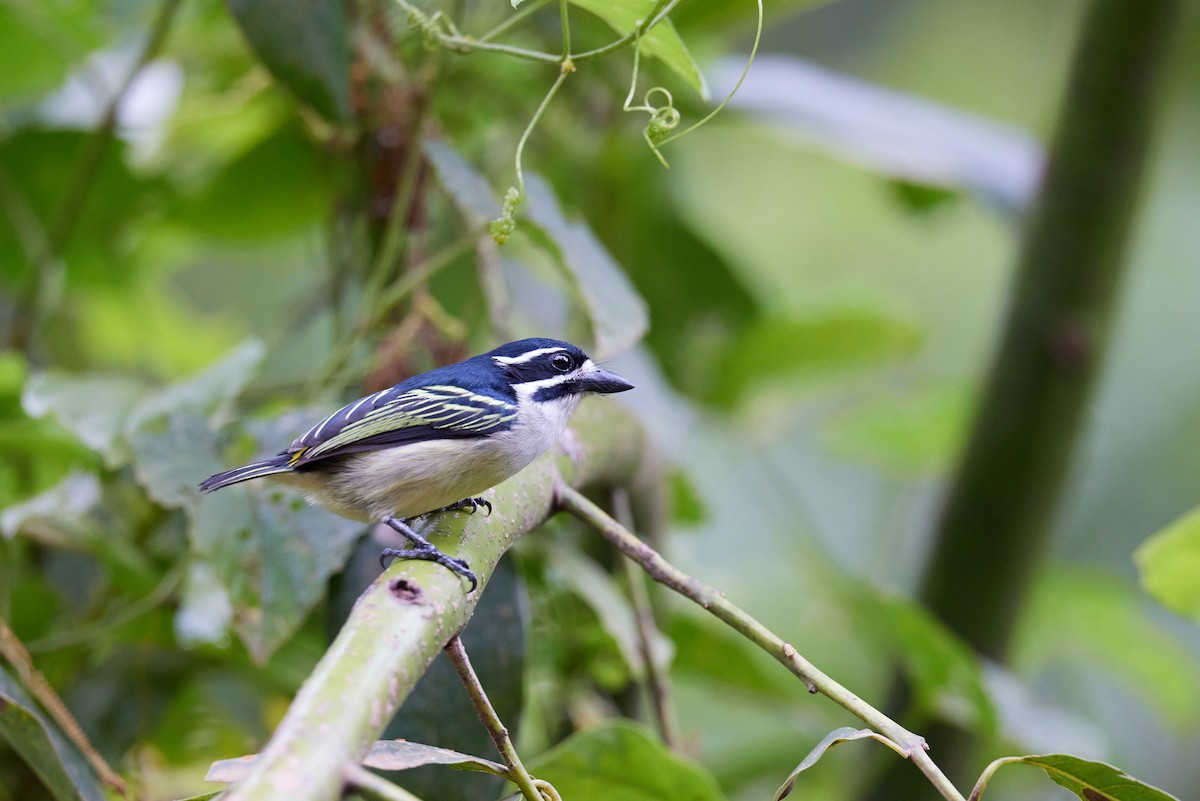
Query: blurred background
[217,222]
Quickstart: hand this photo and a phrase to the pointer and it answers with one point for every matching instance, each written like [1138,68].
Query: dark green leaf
[306,46]
[618,315]
[65,772]
[1091,781]
[621,759]
[1169,564]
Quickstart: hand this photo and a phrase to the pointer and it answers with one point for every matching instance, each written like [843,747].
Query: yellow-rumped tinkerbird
[435,441]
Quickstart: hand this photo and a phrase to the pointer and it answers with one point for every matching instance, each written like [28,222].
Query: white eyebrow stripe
[528,356]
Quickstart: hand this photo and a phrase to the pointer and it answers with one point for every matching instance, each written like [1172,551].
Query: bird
[434,442]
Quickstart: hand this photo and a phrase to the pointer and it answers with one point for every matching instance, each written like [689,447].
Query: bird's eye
[562,362]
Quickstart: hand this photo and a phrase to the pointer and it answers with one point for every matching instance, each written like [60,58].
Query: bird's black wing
[397,416]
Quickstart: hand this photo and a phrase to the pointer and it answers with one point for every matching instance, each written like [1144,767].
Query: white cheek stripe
[527,356]
[528,388]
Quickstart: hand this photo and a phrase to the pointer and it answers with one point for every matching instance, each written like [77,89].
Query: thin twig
[12,650]
[374,784]
[490,720]
[658,681]
[715,602]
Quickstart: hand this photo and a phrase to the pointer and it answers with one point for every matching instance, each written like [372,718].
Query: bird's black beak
[602,382]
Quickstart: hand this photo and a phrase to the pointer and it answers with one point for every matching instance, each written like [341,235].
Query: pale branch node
[912,745]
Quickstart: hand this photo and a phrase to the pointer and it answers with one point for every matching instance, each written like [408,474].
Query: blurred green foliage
[291,211]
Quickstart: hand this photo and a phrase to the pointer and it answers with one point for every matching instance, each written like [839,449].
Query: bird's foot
[468,505]
[425,550]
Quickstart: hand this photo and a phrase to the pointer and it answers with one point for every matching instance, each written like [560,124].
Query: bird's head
[548,369]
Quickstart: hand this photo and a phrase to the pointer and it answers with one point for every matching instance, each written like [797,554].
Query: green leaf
[661,41]
[92,407]
[1091,781]
[306,46]
[56,761]
[172,453]
[273,553]
[618,315]
[1169,565]
[622,759]
[836,737]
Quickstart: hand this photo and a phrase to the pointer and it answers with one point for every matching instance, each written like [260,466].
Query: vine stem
[662,571]
[537,116]
[457,654]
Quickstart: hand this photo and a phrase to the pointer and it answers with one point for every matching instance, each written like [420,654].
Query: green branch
[403,620]
[714,601]
[1068,280]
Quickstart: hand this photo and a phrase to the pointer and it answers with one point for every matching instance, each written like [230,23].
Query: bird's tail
[267,467]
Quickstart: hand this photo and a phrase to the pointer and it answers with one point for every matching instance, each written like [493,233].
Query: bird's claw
[429,553]
[469,505]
